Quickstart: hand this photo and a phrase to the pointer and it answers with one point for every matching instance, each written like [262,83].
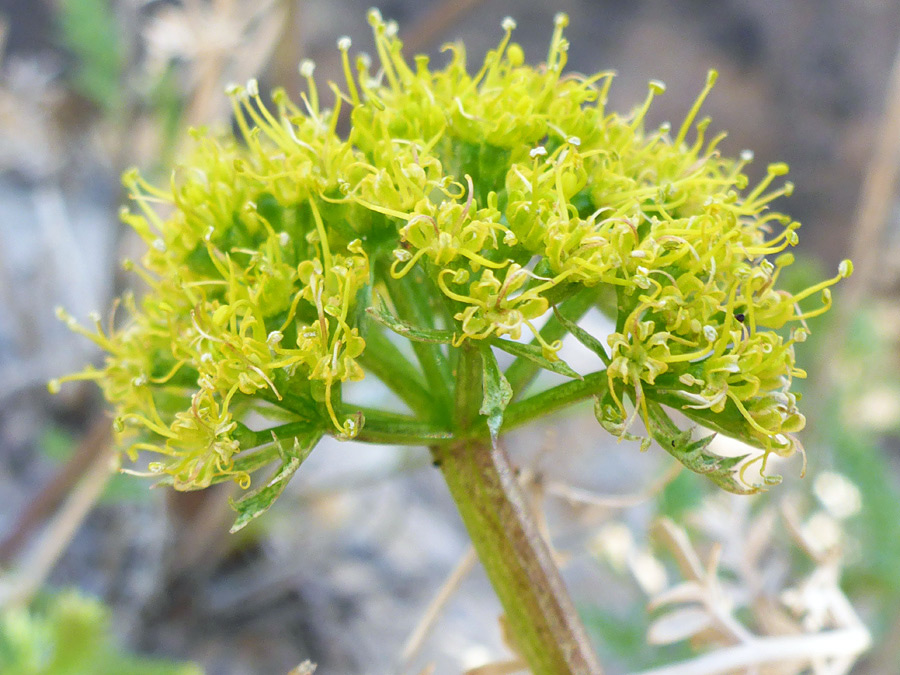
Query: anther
[307,67]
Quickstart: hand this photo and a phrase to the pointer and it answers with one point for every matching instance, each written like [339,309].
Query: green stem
[394,429]
[553,399]
[539,612]
[380,427]
[469,374]
[254,439]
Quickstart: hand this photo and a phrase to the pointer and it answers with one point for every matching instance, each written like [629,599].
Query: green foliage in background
[58,444]
[88,29]
[69,634]
[858,451]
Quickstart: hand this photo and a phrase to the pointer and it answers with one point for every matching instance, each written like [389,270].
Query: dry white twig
[846,644]
[499,668]
[436,606]
[39,562]
[827,636]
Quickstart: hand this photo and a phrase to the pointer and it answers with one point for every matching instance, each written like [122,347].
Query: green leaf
[621,634]
[693,454]
[88,28]
[497,392]
[583,336]
[67,633]
[56,443]
[536,355]
[260,500]
[729,421]
[410,332]
[682,494]
[254,461]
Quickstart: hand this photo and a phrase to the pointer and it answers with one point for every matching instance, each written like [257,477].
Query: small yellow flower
[495,194]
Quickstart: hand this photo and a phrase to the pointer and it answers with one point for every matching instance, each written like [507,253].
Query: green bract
[495,196]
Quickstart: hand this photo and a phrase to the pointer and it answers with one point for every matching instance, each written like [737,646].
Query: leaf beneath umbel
[410,332]
[497,392]
[536,355]
[258,501]
[694,454]
[583,336]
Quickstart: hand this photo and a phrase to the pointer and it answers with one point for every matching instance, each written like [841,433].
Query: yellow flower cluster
[501,193]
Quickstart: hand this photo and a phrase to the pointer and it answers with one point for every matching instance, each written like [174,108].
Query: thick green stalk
[539,612]
[468,377]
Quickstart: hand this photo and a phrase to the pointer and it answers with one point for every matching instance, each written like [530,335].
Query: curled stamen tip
[508,24]
[711,77]
[130,176]
[253,87]
[746,155]
[233,89]
[94,316]
[778,169]
[800,335]
[845,269]
[307,67]
[574,140]
[391,28]
[538,151]
[53,386]
[657,86]
[461,276]
[788,189]
[561,19]
[344,43]
[61,313]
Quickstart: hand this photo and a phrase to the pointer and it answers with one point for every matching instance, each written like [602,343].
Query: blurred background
[345,569]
